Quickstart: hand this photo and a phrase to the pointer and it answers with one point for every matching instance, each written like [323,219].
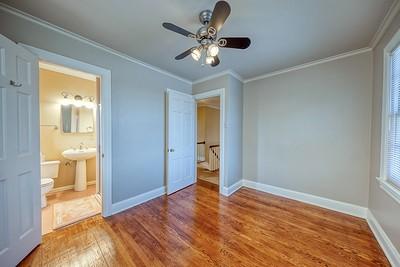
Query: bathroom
[69,135]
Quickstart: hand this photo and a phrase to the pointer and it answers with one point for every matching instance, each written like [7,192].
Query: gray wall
[385,209]
[309,130]
[138,105]
[233,122]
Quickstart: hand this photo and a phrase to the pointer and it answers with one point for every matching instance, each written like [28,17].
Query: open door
[20,229]
[180,141]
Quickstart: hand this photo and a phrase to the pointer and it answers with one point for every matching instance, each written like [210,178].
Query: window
[393,121]
[390,158]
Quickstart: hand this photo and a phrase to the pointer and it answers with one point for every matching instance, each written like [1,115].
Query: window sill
[389,189]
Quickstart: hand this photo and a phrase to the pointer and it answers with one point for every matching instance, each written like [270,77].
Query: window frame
[389,187]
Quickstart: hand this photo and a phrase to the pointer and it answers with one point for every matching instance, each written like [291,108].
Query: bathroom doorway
[69,143]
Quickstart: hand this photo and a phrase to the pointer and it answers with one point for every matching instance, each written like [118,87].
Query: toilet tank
[49,169]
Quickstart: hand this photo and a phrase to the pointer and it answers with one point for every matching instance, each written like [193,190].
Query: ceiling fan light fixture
[196,54]
[208,46]
[213,50]
[209,60]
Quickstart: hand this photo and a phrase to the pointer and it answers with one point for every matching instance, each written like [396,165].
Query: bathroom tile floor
[47,212]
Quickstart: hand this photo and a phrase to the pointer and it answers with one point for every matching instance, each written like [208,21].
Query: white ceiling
[284,33]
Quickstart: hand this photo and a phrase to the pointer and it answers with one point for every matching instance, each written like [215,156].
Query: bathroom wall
[53,141]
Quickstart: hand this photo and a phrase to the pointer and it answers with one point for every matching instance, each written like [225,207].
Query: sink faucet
[81,146]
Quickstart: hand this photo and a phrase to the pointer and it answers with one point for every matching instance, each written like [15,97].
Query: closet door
[20,220]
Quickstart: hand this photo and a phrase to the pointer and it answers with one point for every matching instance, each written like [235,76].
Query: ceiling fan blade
[184,54]
[219,15]
[234,42]
[177,29]
[215,62]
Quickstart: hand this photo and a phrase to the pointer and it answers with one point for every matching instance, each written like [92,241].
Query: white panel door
[180,141]
[20,229]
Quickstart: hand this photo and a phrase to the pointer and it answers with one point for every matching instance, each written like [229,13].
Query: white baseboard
[136,200]
[227,191]
[327,203]
[67,187]
[390,250]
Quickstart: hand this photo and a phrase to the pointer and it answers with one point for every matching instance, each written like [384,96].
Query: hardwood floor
[198,227]
[206,175]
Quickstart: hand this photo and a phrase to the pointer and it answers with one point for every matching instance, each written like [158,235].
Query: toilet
[48,172]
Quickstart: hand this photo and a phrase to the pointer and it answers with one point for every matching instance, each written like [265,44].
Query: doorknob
[15,83]
[171,150]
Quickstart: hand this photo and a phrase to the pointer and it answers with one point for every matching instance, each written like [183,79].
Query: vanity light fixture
[78,100]
[90,103]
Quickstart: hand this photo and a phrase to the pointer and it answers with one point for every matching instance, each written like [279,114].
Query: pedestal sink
[80,155]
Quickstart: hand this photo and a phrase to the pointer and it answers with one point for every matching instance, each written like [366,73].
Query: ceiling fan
[206,35]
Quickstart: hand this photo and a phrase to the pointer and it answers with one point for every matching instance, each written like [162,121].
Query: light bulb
[209,60]
[89,105]
[196,54]
[78,103]
[213,50]
[65,102]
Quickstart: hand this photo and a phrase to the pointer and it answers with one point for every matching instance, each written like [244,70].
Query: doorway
[208,142]
[210,136]
[69,144]
[102,123]
[181,139]
[20,161]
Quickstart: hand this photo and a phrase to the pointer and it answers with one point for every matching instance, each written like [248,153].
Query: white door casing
[105,128]
[20,222]
[180,141]
[221,94]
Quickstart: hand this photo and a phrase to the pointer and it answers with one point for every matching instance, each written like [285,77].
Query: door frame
[105,159]
[205,95]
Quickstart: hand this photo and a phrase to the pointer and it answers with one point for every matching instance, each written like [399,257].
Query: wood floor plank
[198,227]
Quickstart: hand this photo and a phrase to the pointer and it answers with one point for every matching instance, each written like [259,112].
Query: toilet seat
[46,184]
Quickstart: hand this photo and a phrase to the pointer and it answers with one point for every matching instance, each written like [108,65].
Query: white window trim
[388,187]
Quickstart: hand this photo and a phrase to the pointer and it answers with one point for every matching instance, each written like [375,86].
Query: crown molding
[279,72]
[388,19]
[80,38]
[236,75]
[310,64]
[393,10]
[219,74]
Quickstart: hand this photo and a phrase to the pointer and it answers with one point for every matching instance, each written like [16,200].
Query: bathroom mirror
[77,119]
